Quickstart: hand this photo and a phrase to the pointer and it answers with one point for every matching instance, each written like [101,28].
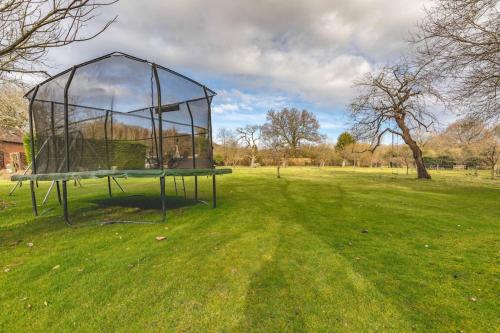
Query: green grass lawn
[318,250]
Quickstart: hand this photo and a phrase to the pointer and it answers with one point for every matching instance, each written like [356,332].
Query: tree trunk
[417,152]
[343,162]
[419,161]
[278,170]
[252,161]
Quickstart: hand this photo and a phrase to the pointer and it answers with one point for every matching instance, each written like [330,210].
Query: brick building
[11,149]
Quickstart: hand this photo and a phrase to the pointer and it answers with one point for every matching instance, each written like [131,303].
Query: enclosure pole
[160,130]
[53,128]
[210,126]
[33,155]
[209,102]
[32,132]
[107,150]
[66,143]
[66,119]
[194,151]
[154,133]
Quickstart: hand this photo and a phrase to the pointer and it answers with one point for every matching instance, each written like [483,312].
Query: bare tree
[405,156]
[460,39]
[323,153]
[12,108]
[249,136]
[489,149]
[465,132]
[293,127]
[227,139]
[29,28]
[276,147]
[394,100]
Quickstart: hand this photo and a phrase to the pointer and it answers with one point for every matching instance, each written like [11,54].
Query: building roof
[11,135]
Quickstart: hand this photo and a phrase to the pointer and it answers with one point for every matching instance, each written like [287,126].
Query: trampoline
[118,116]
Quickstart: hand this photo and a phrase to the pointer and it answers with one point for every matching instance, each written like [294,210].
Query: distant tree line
[465,144]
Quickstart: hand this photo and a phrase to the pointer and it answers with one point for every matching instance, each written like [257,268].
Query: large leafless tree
[460,40]
[394,100]
[29,28]
[292,127]
[249,136]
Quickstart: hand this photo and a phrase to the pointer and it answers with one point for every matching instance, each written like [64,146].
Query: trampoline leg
[196,188]
[162,196]
[184,187]
[33,198]
[48,192]
[58,188]
[214,192]
[118,184]
[65,202]
[109,187]
[14,188]
[175,186]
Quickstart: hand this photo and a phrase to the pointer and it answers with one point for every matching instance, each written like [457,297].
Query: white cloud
[309,49]
[235,100]
[225,107]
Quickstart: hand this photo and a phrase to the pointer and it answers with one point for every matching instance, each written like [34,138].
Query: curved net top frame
[119,112]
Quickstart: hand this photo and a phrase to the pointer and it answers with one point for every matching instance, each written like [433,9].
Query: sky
[259,54]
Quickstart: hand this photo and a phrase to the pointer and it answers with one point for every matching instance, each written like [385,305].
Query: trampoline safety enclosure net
[119,116]
[119,112]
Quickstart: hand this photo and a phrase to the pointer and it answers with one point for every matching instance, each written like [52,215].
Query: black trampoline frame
[34,177]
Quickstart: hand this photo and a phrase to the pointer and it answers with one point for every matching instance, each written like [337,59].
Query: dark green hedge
[127,155]
[122,154]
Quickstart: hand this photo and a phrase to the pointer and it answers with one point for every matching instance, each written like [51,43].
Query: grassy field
[318,250]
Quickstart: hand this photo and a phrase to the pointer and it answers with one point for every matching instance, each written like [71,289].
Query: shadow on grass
[270,304]
[143,202]
[140,208]
[124,208]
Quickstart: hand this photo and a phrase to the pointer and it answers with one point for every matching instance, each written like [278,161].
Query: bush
[127,155]
[122,155]
[27,147]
